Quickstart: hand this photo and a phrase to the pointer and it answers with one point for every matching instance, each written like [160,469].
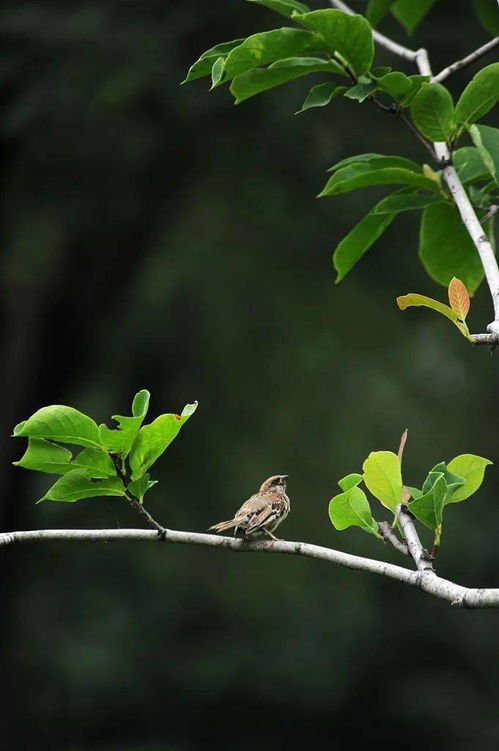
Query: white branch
[466,210]
[468,60]
[425,580]
[468,215]
[416,550]
[381,39]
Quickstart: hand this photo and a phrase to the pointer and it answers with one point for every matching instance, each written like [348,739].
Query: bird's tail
[222,526]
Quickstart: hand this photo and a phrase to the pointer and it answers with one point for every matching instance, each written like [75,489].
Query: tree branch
[417,552]
[490,340]
[468,60]
[468,215]
[426,580]
[464,206]
[389,535]
[389,44]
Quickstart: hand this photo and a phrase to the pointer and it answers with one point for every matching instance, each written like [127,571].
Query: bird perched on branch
[261,513]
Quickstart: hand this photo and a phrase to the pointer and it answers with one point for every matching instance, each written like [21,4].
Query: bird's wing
[259,511]
[254,506]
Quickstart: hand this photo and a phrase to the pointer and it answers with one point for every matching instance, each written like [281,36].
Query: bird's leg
[273,537]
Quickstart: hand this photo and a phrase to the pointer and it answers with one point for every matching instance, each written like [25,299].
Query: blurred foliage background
[156,236]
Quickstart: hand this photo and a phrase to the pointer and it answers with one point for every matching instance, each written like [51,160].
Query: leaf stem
[120,471]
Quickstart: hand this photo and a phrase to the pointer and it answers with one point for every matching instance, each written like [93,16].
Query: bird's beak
[284,477]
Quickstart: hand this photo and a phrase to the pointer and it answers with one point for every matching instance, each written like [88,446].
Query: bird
[262,513]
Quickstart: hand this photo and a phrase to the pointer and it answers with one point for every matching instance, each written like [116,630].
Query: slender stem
[389,535]
[426,580]
[468,60]
[416,550]
[145,513]
[132,499]
[418,135]
[490,213]
[349,72]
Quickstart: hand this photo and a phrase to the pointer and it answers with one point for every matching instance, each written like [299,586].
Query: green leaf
[43,456]
[203,66]
[351,509]
[78,484]
[321,95]
[445,248]
[486,139]
[395,83]
[358,241]
[270,46]
[97,463]
[60,423]
[432,111]
[472,469]
[488,15]
[410,13]
[349,35]
[217,72]
[479,96]
[413,300]
[377,10]
[138,488]
[140,404]
[284,7]
[361,176]
[119,440]
[350,481]
[415,492]
[361,91]
[376,161]
[428,509]
[380,71]
[405,200]
[260,79]
[452,481]
[416,82]
[383,478]
[153,439]
[469,164]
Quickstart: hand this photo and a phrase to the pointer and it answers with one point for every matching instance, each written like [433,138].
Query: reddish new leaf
[459,298]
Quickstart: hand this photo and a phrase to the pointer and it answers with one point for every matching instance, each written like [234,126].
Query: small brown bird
[261,513]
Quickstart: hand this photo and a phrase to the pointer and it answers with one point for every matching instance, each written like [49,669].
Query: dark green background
[156,236]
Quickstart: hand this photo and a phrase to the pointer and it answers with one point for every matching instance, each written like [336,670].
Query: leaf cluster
[445,484]
[340,47]
[112,462]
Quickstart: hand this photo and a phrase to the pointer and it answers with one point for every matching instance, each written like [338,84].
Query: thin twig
[418,135]
[137,505]
[403,441]
[468,60]
[490,213]
[416,550]
[389,535]
[427,581]
[147,516]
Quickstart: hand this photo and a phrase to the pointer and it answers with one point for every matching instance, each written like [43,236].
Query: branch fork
[459,195]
